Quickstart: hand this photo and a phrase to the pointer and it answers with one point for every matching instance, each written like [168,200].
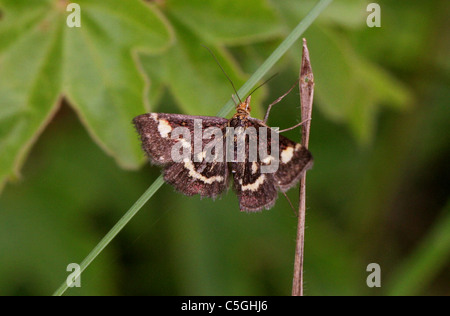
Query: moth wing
[295,159]
[208,179]
[204,173]
[255,190]
[155,130]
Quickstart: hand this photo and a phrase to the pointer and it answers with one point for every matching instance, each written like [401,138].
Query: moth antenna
[263,83]
[223,70]
[234,99]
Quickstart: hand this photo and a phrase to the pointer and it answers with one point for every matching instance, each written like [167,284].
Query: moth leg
[266,117]
[289,201]
[295,126]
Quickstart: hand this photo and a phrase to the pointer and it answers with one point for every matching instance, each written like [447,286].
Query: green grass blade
[259,73]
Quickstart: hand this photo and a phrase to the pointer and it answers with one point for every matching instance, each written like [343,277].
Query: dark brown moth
[193,175]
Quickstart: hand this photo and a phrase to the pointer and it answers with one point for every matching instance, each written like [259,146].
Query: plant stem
[306,98]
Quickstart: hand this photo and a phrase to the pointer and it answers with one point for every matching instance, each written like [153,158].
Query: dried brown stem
[306,86]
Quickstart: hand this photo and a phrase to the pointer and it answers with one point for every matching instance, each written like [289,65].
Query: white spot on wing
[184,143]
[255,185]
[254,167]
[287,154]
[164,128]
[194,174]
[267,160]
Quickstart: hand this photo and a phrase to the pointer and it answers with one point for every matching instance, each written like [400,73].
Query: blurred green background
[71,164]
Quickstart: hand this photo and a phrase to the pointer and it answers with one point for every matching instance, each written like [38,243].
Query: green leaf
[345,13]
[390,91]
[200,80]
[349,88]
[102,80]
[227,22]
[30,82]
[94,67]
[127,23]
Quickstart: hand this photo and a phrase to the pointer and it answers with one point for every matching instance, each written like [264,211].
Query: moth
[231,155]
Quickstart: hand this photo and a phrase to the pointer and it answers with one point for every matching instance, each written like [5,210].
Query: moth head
[244,107]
